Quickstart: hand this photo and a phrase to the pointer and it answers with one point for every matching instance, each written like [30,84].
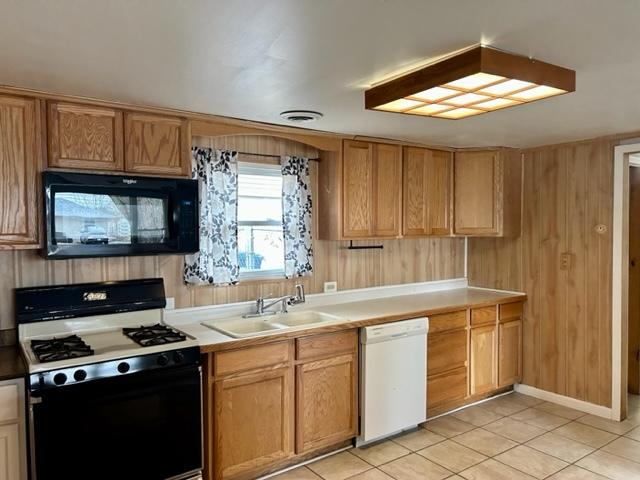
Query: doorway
[626,279]
[633,296]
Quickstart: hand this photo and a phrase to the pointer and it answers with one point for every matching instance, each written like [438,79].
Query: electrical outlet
[171,303]
[330,287]
[565,261]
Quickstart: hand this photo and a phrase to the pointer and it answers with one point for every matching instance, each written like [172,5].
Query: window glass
[260,241]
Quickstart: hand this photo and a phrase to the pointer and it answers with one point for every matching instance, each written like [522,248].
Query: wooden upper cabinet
[387,180]
[157,144]
[20,162]
[85,137]
[356,189]
[427,192]
[371,190]
[487,193]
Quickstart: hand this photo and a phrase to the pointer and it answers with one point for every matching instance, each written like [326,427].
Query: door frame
[620,277]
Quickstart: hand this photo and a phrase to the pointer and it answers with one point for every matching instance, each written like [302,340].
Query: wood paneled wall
[401,261]
[564,264]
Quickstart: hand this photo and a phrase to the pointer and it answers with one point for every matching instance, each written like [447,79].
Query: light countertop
[361,313]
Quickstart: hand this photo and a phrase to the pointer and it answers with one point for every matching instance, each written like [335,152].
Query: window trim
[266,170]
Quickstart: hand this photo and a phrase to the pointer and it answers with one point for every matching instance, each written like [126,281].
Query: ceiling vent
[301,116]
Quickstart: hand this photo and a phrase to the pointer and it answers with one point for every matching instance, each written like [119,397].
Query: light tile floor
[508,438]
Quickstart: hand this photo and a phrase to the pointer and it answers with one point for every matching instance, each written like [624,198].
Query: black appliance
[92,215]
[136,416]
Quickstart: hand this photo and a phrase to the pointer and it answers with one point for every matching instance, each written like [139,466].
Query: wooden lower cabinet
[327,402]
[266,408]
[446,388]
[447,361]
[10,452]
[253,422]
[509,352]
[483,362]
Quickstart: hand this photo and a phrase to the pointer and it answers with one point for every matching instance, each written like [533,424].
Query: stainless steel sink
[239,327]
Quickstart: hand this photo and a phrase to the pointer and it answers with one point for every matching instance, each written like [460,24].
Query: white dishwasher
[393,378]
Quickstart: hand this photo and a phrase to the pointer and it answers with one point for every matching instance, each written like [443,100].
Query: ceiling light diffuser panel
[476,81]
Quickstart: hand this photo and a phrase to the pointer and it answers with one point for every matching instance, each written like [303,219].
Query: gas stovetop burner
[154,335]
[63,348]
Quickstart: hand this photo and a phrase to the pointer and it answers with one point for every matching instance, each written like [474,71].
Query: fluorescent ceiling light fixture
[478,80]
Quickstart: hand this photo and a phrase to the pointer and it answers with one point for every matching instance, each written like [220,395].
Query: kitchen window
[260,237]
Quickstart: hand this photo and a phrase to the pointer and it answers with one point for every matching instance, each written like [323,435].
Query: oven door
[145,425]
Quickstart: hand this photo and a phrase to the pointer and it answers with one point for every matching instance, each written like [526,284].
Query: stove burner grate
[51,349]
[154,335]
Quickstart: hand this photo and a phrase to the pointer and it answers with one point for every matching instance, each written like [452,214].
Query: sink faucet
[286,300]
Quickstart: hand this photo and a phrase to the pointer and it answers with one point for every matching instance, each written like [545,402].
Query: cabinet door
[446,388]
[415,220]
[253,422]
[476,193]
[84,136]
[509,352]
[10,452]
[20,157]
[387,175]
[446,351]
[357,173]
[427,180]
[327,402]
[156,144]
[483,359]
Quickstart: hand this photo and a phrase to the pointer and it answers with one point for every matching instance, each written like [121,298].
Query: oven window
[102,219]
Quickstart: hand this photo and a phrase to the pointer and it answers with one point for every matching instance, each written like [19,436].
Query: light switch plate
[330,287]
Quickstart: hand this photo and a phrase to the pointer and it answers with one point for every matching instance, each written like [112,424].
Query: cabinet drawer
[483,316]
[510,311]
[446,351]
[447,321]
[251,358]
[325,345]
[9,402]
[446,387]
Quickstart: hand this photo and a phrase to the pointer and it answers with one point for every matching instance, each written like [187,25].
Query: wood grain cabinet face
[372,178]
[157,144]
[488,193]
[476,193]
[427,192]
[84,137]
[326,396]
[387,177]
[483,361]
[447,361]
[509,352]
[253,422]
[356,189]
[20,158]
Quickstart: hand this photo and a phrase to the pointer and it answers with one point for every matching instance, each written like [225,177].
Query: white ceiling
[254,58]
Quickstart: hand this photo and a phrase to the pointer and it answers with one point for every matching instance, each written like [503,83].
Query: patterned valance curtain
[217,261]
[296,217]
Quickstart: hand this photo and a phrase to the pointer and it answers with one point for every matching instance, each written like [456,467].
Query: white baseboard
[574,403]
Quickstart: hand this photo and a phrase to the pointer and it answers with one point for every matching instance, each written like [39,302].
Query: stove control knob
[178,357]
[123,367]
[163,360]
[80,375]
[60,379]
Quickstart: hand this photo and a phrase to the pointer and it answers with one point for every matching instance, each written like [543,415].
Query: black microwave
[91,215]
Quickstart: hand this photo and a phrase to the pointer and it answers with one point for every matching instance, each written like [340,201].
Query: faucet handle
[300,297]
